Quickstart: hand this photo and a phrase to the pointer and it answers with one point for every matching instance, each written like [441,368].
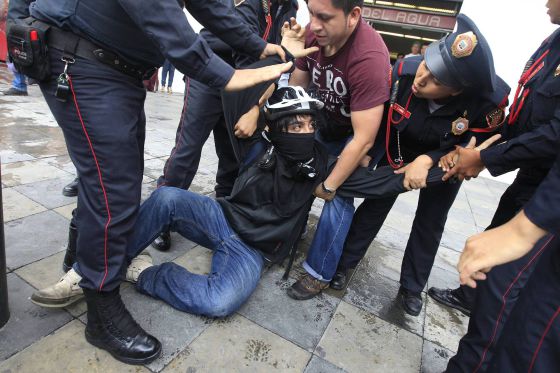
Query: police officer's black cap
[462,59]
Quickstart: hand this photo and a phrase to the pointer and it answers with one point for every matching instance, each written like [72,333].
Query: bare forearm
[347,162]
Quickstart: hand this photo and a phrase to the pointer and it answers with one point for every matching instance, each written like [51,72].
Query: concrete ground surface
[361,329]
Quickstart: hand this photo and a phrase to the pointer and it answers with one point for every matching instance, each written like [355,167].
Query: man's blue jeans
[334,223]
[166,69]
[236,267]
[18,82]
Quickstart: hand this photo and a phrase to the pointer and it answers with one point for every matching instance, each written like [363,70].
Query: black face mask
[298,147]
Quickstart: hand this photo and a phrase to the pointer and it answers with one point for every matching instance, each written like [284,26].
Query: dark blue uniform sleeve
[18,9]
[536,148]
[225,24]
[248,12]
[544,208]
[165,23]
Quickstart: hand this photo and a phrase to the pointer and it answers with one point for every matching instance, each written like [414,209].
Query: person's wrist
[326,189]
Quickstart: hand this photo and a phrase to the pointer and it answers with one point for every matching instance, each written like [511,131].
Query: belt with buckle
[75,45]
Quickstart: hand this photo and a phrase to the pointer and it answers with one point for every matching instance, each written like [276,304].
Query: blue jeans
[19,79]
[167,68]
[334,223]
[236,267]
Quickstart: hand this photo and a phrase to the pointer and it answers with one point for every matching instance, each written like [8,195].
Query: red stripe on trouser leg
[504,296]
[100,181]
[548,326]
[185,105]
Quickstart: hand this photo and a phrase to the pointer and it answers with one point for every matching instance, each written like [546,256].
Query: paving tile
[204,181]
[158,148]
[453,240]
[434,358]
[154,167]
[358,341]
[444,325]
[392,238]
[46,272]
[48,193]
[29,172]
[11,156]
[174,329]
[197,260]
[66,210]
[235,344]
[147,190]
[66,351]
[301,322]
[62,162]
[17,206]
[447,259]
[386,262]
[34,237]
[441,278]
[179,246]
[318,365]
[28,322]
[50,144]
[378,295]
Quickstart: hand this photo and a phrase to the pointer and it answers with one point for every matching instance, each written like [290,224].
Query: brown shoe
[306,287]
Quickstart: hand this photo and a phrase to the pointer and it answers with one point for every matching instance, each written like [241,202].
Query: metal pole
[4,309]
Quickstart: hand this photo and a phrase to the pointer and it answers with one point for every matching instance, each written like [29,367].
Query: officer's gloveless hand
[246,78]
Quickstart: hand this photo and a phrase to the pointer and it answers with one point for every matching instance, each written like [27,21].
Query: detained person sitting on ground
[256,224]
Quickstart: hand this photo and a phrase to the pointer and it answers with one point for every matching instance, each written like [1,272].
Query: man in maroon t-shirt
[350,74]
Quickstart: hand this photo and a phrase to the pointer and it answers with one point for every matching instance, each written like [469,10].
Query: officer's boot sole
[127,360]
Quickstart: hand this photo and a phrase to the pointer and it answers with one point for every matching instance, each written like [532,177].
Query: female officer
[436,103]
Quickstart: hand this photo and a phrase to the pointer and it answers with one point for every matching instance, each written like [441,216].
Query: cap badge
[460,125]
[464,45]
[557,71]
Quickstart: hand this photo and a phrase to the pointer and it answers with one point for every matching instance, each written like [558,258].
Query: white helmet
[291,100]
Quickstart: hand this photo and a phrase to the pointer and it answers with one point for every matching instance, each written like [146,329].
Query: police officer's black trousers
[202,113]
[431,214]
[530,341]
[103,123]
[496,296]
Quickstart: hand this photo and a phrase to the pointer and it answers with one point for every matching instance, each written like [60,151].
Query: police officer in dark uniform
[533,108]
[531,337]
[532,124]
[530,340]
[98,52]
[202,109]
[446,99]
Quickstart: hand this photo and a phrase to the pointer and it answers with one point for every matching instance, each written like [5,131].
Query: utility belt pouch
[27,47]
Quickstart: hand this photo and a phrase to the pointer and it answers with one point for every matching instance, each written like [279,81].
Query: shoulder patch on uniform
[464,45]
[238,2]
[495,118]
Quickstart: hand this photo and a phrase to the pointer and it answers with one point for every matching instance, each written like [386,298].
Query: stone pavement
[361,329]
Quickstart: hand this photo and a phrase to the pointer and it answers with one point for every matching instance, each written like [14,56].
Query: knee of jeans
[221,307]
[166,197]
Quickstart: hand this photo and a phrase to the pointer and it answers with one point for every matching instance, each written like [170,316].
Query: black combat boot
[111,327]
[163,241]
[71,189]
[70,256]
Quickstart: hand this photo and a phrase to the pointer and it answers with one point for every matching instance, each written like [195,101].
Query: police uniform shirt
[428,128]
[539,117]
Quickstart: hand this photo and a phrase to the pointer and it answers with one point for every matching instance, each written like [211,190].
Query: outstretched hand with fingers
[293,39]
